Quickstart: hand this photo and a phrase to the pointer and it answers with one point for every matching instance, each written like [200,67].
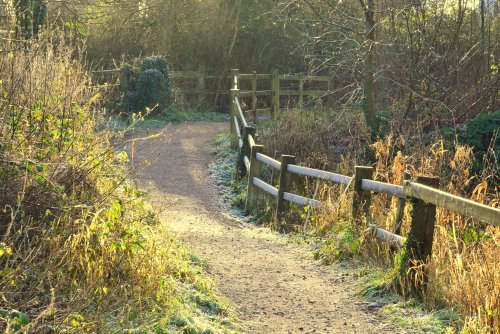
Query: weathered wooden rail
[421,193]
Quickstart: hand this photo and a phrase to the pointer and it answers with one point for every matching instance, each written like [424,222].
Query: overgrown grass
[81,250]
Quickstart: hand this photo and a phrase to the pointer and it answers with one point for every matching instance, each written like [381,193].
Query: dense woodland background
[415,84]
[432,62]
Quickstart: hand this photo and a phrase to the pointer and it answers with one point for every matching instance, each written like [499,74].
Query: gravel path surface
[274,286]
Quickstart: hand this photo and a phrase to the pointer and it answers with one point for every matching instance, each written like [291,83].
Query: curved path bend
[274,286]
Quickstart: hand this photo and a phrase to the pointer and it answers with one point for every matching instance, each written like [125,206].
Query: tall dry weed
[464,268]
[319,140]
[79,247]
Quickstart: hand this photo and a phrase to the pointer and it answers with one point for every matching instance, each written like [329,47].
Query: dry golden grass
[464,269]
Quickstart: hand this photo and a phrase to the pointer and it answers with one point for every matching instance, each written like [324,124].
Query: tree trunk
[368,104]
[24,19]
[483,66]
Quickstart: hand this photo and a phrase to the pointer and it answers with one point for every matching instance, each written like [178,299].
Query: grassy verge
[158,121]
[81,250]
[222,169]
[232,191]
[375,285]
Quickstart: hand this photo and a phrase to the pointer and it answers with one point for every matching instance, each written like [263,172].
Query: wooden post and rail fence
[422,193]
[197,83]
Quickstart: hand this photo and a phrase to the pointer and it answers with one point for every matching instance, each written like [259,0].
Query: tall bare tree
[368,7]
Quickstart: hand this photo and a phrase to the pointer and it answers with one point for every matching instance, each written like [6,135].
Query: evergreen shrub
[153,87]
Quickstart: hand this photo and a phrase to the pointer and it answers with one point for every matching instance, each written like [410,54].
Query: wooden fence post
[420,238]
[244,151]
[255,170]
[401,207]
[201,84]
[361,199]
[320,103]
[235,74]
[301,91]
[254,97]
[285,185]
[275,93]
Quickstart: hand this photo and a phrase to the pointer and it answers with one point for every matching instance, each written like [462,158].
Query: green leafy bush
[153,85]
[480,132]
[152,90]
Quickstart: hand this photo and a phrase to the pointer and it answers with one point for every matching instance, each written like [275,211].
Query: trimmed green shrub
[153,86]
[152,90]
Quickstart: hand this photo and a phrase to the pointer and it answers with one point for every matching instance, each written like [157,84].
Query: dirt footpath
[274,286]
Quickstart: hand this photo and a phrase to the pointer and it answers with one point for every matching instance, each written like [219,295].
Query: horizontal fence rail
[383,188]
[458,204]
[386,236]
[319,174]
[240,113]
[247,163]
[268,161]
[251,141]
[256,93]
[238,132]
[265,186]
[304,201]
[295,77]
